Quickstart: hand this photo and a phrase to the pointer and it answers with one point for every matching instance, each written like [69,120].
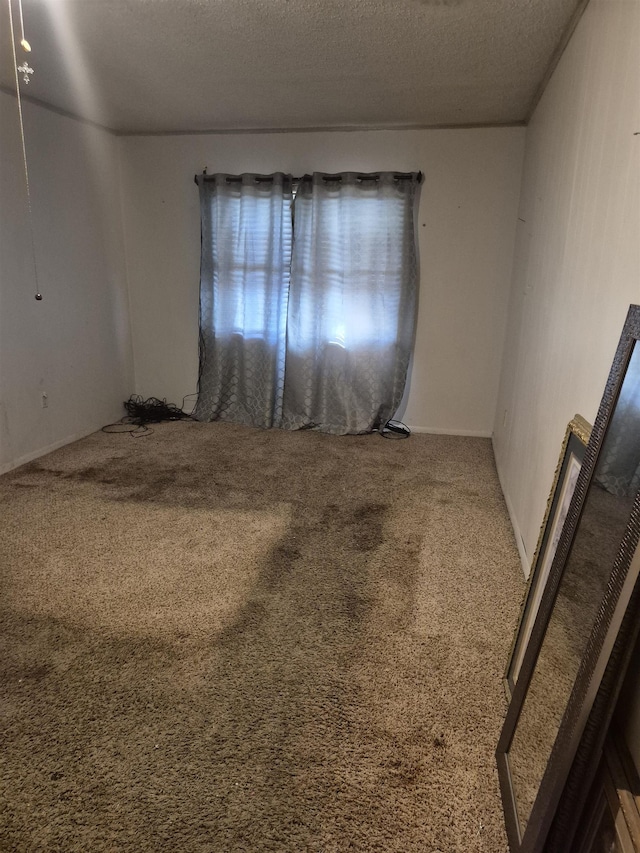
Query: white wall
[466,233]
[577,264]
[74,345]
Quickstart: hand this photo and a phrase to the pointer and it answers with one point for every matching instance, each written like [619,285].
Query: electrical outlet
[45,400]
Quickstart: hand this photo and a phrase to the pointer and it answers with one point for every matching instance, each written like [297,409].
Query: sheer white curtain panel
[244,284]
[352,301]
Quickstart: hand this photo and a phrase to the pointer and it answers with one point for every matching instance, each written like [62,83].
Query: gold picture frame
[570,460]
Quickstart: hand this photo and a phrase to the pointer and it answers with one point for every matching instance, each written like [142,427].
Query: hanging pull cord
[395,429]
[23,42]
[38,295]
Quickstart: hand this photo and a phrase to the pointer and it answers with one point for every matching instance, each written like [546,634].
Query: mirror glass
[597,539]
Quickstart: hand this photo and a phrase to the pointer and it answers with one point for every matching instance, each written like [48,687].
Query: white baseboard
[42,451]
[524,560]
[470,433]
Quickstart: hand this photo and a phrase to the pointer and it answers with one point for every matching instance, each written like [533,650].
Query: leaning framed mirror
[572,452]
[590,585]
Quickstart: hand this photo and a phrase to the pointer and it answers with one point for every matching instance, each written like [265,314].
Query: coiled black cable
[141,412]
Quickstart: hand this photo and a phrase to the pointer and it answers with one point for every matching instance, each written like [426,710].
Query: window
[306,320]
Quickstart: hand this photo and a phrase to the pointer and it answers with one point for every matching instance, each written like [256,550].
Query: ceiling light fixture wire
[38,295]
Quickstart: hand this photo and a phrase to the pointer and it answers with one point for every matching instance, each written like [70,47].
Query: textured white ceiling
[190,65]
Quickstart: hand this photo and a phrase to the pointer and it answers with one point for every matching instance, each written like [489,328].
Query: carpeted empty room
[287,234]
[218,638]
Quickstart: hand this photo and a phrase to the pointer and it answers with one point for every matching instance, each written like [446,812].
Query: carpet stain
[236,660]
[367,526]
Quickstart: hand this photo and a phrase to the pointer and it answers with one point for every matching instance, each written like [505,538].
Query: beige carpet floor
[221,639]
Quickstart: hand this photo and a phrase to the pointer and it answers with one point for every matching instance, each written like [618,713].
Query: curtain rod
[260,179]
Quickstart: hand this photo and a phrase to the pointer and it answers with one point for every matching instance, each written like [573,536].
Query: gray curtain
[352,301]
[244,284]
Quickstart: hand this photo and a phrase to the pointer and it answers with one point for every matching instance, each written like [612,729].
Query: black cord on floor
[141,412]
[152,410]
[395,429]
